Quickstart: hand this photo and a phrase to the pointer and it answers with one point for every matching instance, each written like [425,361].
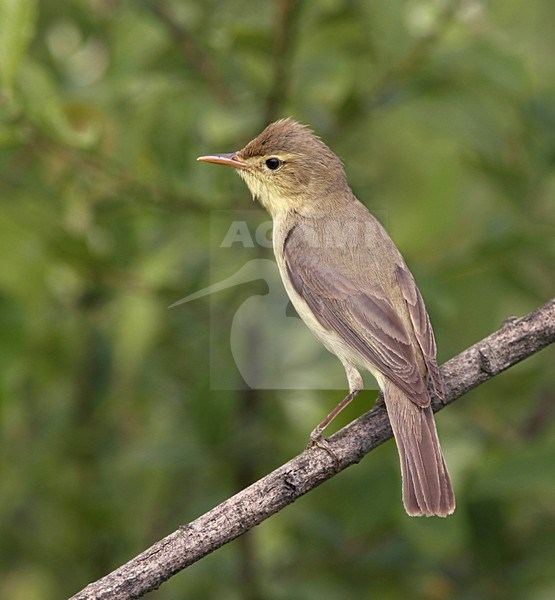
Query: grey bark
[517,339]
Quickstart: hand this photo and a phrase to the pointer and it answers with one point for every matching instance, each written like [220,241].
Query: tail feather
[427,487]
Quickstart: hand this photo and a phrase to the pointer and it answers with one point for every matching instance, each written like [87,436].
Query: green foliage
[112,434]
[17,24]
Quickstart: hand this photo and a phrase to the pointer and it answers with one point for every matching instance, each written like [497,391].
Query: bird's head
[288,169]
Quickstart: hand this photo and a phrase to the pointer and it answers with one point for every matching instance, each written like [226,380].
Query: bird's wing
[421,325]
[359,313]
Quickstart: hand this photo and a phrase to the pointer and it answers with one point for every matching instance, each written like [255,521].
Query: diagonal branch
[515,341]
[199,60]
[412,61]
[359,104]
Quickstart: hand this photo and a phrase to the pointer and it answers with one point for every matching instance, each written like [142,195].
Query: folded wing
[360,313]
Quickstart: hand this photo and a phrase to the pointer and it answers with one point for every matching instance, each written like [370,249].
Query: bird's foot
[319,441]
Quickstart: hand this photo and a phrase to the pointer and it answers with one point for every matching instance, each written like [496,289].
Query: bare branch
[515,341]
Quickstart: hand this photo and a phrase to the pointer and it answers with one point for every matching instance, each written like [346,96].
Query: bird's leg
[316,437]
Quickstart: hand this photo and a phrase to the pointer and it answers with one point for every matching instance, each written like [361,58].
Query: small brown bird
[351,286]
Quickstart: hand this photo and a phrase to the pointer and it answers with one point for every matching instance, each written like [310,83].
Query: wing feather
[358,312]
[422,326]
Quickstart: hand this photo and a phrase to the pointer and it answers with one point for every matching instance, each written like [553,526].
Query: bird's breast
[330,339]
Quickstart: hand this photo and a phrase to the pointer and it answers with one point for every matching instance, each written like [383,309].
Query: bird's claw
[319,441]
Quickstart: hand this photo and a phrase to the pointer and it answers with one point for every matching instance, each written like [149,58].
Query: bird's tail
[427,487]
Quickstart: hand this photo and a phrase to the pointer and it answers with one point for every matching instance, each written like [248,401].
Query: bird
[351,286]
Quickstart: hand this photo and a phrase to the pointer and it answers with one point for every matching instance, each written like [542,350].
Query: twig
[416,56]
[515,341]
[195,56]
[360,106]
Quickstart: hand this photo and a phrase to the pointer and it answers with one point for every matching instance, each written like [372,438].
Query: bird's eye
[273,163]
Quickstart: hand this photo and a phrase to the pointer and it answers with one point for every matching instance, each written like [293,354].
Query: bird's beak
[231,160]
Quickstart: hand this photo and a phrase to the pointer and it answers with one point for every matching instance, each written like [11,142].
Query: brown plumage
[351,286]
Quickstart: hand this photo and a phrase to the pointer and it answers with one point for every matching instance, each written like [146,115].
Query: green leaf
[17,26]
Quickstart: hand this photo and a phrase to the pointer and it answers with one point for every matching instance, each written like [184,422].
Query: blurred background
[112,432]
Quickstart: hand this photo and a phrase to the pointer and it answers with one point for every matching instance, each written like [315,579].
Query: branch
[360,104]
[192,52]
[515,341]
[416,55]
